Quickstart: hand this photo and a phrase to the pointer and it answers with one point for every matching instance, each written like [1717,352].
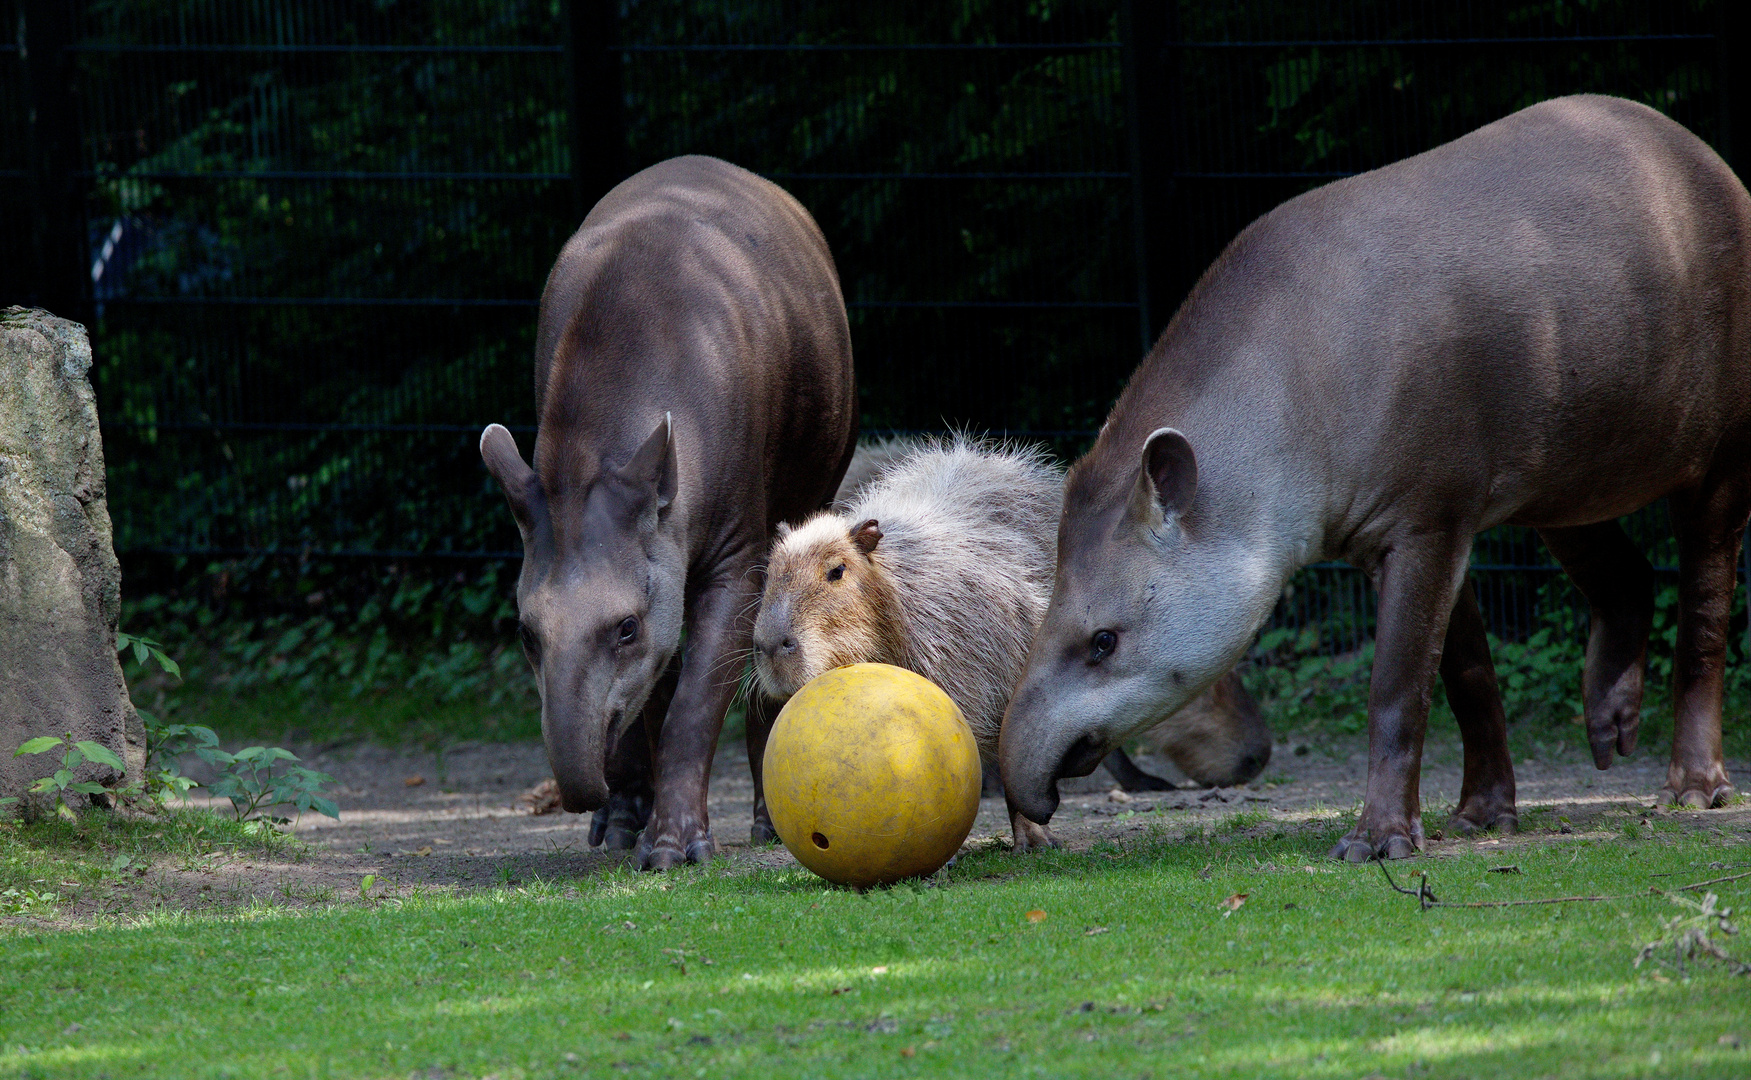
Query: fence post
[1149,36]
[597,107]
[59,276]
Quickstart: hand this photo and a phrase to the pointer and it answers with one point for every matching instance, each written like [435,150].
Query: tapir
[1545,323]
[693,387]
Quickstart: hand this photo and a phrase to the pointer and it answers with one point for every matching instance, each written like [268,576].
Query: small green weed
[62,780]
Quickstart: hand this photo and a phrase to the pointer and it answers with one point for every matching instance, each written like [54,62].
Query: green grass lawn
[1138,968]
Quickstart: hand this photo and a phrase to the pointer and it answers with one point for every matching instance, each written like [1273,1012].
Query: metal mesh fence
[315,230]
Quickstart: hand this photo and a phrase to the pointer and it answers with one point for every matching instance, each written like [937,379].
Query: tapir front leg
[1418,582]
[619,821]
[1486,793]
[1710,524]
[718,639]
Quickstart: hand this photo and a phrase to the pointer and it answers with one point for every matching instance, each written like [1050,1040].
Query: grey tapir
[1545,323]
[694,387]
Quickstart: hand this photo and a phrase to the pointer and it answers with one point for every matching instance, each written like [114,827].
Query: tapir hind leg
[1710,523]
[1418,581]
[1618,584]
[759,726]
[1486,794]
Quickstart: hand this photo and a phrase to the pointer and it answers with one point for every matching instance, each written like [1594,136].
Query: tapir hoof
[669,849]
[1357,848]
[761,832]
[1471,822]
[1029,836]
[1700,796]
[1613,733]
[618,822]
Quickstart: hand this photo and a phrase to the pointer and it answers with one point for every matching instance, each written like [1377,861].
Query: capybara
[693,384]
[1545,323]
[940,562]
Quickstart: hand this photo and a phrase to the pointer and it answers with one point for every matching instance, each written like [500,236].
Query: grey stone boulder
[60,583]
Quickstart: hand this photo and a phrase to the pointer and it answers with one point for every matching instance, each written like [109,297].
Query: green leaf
[88,787]
[8,800]
[73,758]
[103,755]
[140,652]
[62,777]
[47,783]
[167,663]
[37,745]
[325,807]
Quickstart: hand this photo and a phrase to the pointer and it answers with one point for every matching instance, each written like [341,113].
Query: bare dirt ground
[417,821]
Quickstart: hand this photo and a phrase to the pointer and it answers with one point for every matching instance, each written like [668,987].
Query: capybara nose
[770,644]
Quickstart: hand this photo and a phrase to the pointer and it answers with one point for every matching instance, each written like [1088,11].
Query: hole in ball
[819,840]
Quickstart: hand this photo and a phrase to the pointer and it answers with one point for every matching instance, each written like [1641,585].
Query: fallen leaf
[1232,904]
[1729,1041]
[1036,915]
[1204,874]
[837,990]
[427,850]
[1093,930]
[1511,868]
[414,781]
[1118,795]
[543,798]
[883,970]
[907,1051]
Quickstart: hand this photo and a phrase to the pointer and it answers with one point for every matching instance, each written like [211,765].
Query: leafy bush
[255,781]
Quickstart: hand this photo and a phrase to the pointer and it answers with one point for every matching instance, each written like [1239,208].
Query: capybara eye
[1101,645]
[531,643]
[836,573]
[628,630]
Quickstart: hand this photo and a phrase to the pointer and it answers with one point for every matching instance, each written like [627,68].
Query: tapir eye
[1101,645]
[836,573]
[531,643]
[628,630]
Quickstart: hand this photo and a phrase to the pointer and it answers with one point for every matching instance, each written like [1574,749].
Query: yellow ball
[872,775]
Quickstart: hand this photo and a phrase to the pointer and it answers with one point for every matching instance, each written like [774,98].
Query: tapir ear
[653,468]
[867,536]
[1169,475]
[522,488]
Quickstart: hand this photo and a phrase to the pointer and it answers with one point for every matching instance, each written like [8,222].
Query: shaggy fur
[953,588]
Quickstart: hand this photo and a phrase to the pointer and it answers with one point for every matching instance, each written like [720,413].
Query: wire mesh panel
[967,165]
[318,231]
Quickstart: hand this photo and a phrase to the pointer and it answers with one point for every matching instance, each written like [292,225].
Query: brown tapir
[694,387]
[1545,323]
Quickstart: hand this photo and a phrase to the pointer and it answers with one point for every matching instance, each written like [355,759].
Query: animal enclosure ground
[1212,940]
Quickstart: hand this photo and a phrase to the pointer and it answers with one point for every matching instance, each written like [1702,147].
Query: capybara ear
[866,536]
[1170,470]
[653,470]
[522,487]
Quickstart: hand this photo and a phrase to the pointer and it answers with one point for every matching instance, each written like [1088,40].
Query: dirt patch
[416,820]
